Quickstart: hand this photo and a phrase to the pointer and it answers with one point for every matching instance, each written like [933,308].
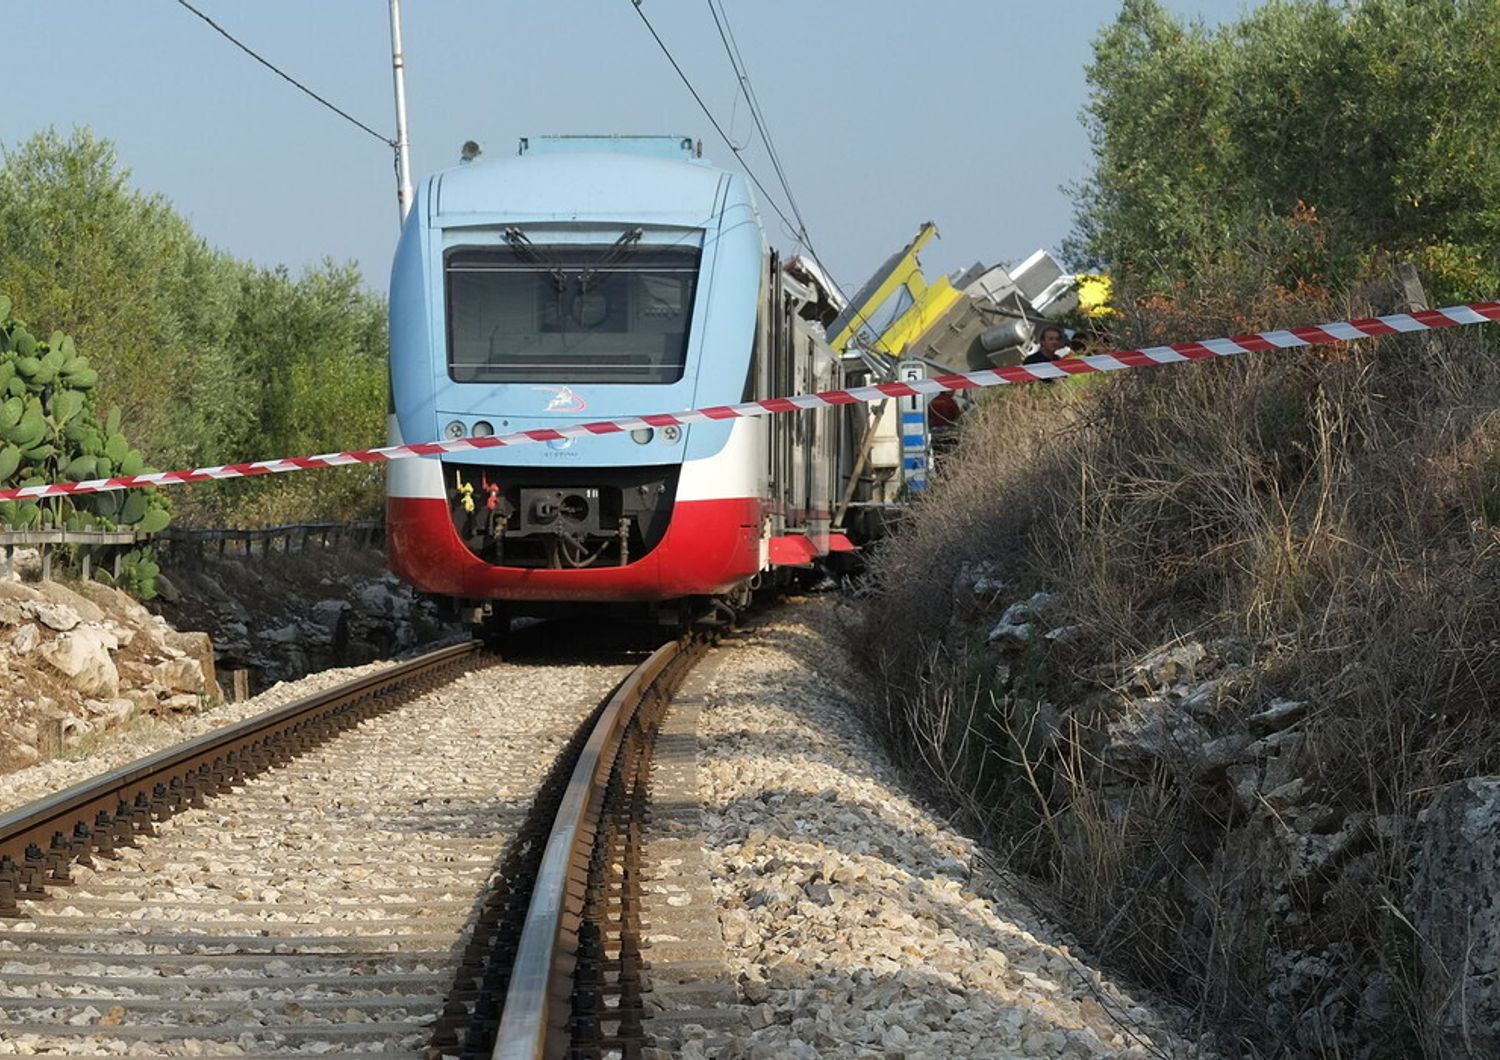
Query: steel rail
[534,1017]
[40,839]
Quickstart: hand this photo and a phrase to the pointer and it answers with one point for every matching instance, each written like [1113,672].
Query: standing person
[1052,343]
[943,416]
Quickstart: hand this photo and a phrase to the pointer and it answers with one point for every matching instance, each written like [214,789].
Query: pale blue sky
[886,113]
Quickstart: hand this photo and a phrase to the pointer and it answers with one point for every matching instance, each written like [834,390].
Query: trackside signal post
[914,440]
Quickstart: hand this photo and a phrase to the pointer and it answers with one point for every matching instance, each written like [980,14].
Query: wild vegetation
[1373,113]
[51,431]
[210,360]
[1329,518]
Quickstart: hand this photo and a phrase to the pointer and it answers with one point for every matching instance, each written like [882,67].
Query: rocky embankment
[1370,934]
[79,659]
[287,614]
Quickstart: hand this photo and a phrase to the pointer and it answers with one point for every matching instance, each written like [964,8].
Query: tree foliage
[1370,114]
[211,360]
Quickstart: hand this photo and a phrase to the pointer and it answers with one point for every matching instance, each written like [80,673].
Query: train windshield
[525,313]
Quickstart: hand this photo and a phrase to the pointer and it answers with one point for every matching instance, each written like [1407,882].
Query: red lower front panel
[709,546]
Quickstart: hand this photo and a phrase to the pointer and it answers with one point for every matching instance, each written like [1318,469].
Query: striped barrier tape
[1206,349]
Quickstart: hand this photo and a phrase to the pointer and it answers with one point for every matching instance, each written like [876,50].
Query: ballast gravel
[317,909]
[148,735]
[857,922]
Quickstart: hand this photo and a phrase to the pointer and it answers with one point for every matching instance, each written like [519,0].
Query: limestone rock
[1011,633]
[182,703]
[109,714]
[1206,699]
[1150,733]
[1285,795]
[180,675]
[16,754]
[1455,905]
[1171,665]
[1064,634]
[60,617]
[1280,714]
[198,649]
[381,599]
[25,639]
[287,634]
[981,579]
[82,655]
[1213,759]
[144,700]
[124,634]
[17,593]
[60,594]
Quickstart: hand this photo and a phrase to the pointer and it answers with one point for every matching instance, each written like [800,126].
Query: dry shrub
[1337,511]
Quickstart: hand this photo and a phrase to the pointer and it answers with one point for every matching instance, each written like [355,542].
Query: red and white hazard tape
[1207,349]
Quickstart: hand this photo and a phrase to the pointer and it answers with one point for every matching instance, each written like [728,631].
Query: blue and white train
[593,278]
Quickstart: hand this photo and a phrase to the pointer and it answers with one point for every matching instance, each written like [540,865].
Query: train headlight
[641,435]
[454,430]
[483,429]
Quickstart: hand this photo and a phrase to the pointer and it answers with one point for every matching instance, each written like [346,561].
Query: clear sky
[885,113]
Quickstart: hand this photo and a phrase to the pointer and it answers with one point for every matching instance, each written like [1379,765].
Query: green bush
[211,360]
[50,432]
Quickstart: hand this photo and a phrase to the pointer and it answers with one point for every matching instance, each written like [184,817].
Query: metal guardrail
[87,541]
[287,538]
[22,538]
[365,534]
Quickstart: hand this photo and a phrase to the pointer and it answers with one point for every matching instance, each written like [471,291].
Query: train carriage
[588,279]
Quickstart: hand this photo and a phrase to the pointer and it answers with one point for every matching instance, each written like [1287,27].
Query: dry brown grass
[1338,511]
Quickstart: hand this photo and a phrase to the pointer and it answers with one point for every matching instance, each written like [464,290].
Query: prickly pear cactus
[51,431]
[138,573]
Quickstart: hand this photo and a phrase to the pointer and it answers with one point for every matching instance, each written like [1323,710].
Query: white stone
[25,639]
[82,655]
[181,675]
[60,617]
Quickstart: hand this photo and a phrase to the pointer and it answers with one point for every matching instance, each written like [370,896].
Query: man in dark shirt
[1053,345]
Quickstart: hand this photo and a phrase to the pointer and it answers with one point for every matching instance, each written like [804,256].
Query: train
[589,278]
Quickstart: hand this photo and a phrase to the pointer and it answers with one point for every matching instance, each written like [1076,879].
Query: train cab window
[569,313]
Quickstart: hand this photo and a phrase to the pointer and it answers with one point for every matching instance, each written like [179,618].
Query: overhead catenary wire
[728,142]
[288,78]
[720,15]
[797,228]
[757,115]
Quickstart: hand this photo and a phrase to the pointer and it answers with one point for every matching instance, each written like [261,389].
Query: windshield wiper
[609,257]
[527,251]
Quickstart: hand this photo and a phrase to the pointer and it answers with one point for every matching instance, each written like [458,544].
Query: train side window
[755,372]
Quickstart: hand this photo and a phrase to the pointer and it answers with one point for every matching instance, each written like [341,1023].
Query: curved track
[313,880]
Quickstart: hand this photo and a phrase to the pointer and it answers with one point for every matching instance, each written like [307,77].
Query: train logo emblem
[563,399]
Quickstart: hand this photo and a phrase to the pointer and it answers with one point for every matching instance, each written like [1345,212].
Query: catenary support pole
[403,141]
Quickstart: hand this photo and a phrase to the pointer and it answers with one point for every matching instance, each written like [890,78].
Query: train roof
[582,184]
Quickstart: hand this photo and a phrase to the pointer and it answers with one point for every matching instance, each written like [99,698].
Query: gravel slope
[857,922]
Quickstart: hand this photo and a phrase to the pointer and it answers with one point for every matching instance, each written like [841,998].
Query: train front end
[581,280]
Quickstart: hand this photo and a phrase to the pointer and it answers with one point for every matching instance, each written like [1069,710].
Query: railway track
[341,876]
